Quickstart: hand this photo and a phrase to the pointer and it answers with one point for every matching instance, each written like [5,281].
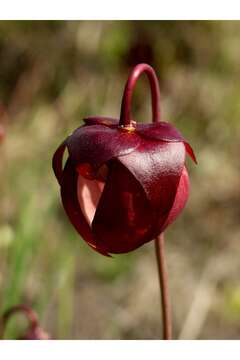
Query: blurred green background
[52,74]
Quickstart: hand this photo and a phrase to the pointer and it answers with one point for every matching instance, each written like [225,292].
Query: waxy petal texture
[98,144]
[165,132]
[179,201]
[158,167]
[124,218]
[159,131]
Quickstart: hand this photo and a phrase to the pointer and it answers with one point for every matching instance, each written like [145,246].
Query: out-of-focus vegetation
[52,74]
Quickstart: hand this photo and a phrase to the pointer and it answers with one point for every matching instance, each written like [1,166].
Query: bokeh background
[52,74]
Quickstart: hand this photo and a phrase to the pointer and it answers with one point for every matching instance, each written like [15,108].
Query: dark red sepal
[97,144]
[160,131]
[165,132]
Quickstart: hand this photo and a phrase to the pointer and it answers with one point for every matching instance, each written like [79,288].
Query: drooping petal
[57,161]
[124,217]
[96,144]
[157,165]
[100,120]
[72,207]
[179,201]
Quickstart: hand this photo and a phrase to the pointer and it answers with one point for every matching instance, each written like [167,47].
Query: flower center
[130,127]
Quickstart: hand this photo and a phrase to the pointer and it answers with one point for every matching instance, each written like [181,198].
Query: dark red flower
[123,182]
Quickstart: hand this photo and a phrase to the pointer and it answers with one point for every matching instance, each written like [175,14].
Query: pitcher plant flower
[125,182]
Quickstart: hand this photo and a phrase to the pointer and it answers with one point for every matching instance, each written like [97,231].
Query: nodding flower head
[124,182]
[33,332]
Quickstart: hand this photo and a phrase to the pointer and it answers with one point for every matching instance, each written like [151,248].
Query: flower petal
[180,199]
[57,161]
[100,120]
[157,165]
[160,131]
[96,144]
[165,132]
[72,208]
[124,218]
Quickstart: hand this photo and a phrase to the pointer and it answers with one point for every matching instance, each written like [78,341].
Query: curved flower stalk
[125,182]
[33,332]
